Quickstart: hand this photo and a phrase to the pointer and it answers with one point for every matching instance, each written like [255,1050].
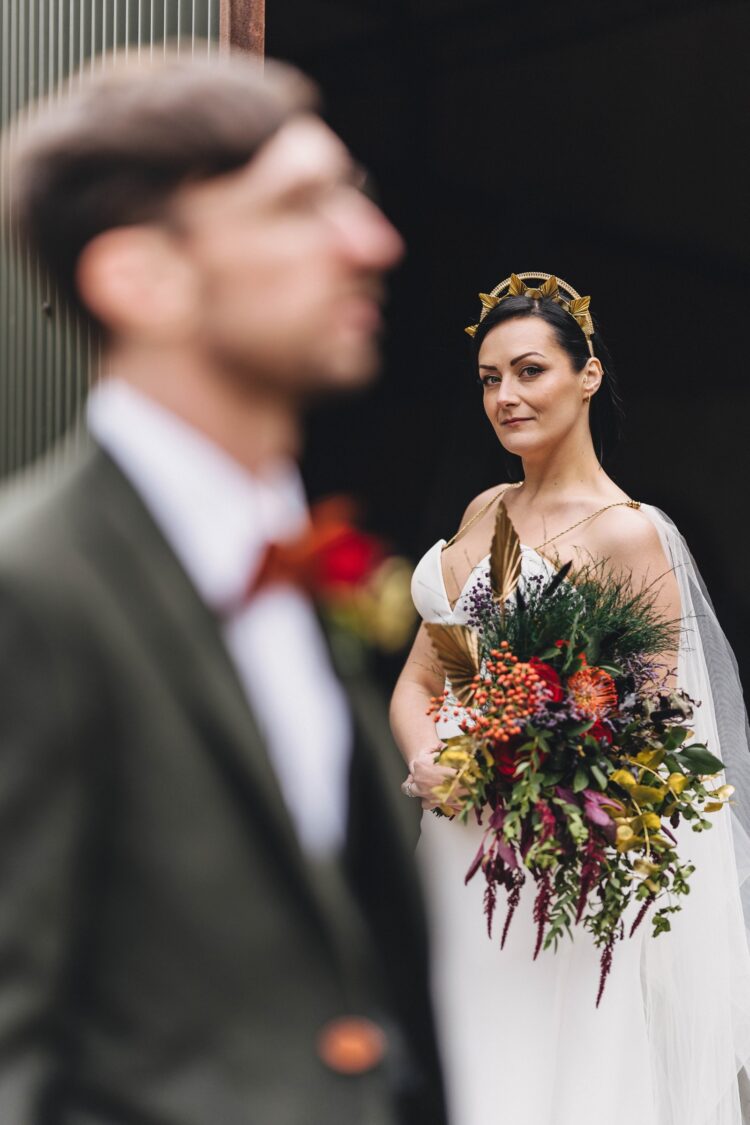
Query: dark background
[601,141]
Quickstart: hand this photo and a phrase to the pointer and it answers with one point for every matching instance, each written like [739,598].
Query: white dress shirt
[218,519]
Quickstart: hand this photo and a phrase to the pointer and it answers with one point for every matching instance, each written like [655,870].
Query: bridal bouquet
[573,754]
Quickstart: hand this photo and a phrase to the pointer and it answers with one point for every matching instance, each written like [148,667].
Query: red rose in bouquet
[600,731]
[506,757]
[550,677]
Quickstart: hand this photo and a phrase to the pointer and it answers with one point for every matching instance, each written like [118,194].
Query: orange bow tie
[329,555]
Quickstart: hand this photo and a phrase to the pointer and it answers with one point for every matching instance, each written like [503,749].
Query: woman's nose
[505,392]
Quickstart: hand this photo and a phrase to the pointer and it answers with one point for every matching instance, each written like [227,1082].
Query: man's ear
[138,283]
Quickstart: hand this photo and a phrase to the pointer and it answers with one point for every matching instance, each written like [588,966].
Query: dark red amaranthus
[490,899]
[514,897]
[606,962]
[590,869]
[641,914]
[541,909]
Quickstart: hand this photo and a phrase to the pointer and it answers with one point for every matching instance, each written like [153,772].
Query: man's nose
[369,239]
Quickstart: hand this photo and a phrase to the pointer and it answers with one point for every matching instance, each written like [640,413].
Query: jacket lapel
[383,824]
[162,601]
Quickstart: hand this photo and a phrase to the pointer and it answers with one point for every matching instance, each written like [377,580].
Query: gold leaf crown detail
[552,287]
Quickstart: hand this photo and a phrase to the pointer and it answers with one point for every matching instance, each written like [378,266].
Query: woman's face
[533,396]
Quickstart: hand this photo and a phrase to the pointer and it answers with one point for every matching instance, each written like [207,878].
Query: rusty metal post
[243,25]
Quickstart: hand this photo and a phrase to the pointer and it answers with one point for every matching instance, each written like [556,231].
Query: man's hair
[119,143]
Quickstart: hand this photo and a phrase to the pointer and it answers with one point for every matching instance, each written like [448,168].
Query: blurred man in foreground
[208,908]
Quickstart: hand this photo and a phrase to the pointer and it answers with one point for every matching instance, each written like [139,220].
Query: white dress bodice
[428,584]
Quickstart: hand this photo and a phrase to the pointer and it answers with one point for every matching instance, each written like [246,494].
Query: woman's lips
[515,421]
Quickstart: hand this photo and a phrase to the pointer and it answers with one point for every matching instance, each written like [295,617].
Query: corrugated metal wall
[46,358]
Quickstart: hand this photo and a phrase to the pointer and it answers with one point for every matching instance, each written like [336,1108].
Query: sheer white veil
[696,979]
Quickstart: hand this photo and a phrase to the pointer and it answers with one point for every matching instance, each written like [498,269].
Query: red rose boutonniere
[357,586]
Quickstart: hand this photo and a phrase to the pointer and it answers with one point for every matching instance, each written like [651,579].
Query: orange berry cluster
[437,703]
[508,693]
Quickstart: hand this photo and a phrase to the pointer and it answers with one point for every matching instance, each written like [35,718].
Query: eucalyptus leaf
[579,728]
[699,759]
[674,737]
[599,777]
[580,779]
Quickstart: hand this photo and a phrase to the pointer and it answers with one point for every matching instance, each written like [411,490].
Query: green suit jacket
[168,955]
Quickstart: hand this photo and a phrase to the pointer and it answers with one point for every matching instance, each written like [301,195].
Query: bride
[522,1040]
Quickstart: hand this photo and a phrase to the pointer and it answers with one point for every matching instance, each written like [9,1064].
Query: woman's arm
[422,679]
[413,729]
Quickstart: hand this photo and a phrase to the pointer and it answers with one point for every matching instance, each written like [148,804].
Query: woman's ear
[593,373]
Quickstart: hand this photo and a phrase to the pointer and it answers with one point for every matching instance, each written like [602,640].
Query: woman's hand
[425,776]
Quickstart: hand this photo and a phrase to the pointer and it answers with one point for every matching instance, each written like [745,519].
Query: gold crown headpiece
[552,287]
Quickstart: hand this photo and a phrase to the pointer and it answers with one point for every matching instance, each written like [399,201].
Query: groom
[208,908]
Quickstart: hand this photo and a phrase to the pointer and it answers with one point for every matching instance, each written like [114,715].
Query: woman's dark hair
[606,412]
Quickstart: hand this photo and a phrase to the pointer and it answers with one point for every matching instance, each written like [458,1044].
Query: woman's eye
[531,370]
[489,380]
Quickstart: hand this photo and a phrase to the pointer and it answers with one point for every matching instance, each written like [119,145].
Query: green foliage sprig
[596,609]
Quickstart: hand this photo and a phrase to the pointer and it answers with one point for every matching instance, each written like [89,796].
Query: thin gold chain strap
[491,501]
[481,511]
[616,504]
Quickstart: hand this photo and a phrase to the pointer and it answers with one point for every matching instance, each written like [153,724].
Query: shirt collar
[217,516]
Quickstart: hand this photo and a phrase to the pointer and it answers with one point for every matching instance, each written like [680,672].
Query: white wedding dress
[522,1041]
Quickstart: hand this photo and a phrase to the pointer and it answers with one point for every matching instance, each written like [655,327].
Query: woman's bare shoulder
[481,499]
[627,536]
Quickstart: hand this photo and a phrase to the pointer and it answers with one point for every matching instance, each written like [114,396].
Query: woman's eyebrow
[525,355]
[513,362]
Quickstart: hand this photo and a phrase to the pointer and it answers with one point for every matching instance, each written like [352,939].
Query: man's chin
[348,368]
[339,365]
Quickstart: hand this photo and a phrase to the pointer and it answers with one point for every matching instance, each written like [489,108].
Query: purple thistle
[648,675]
[550,716]
[481,606]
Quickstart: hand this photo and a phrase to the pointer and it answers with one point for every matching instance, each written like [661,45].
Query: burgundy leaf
[475,864]
[593,810]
